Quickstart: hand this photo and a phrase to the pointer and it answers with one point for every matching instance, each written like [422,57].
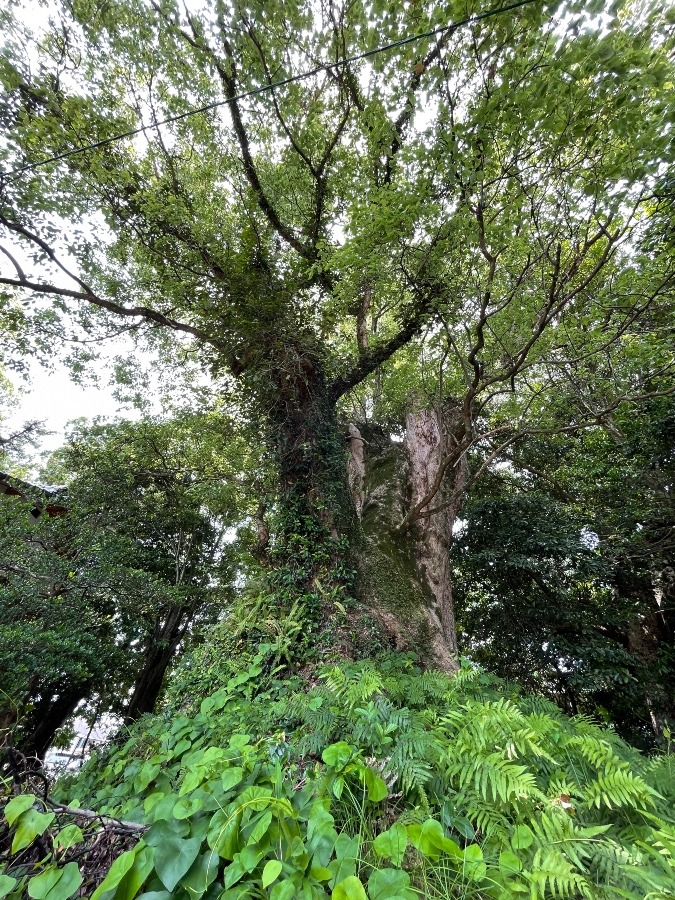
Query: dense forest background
[378,582]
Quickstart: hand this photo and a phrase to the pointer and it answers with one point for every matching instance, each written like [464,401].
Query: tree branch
[144,312]
[370,360]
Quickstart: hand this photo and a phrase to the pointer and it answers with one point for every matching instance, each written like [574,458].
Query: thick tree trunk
[168,634]
[428,442]
[308,557]
[405,574]
[321,534]
[47,717]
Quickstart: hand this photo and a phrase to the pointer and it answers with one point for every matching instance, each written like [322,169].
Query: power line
[454,26]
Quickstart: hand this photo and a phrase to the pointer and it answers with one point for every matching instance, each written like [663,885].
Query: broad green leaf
[256,798]
[261,823]
[166,830]
[7,885]
[55,884]
[135,878]
[116,872]
[346,856]
[187,806]
[474,864]
[201,875]
[174,857]
[522,837]
[509,862]
[250,856]
[223,834]
[377,788]
[68,837]
[29,825]
[392,843]
[338,755]
[232,777]
[284,890]
[431,841]
[271,872]
[18,805]
[387,884]
[349,889]
[321,873]
[234,872]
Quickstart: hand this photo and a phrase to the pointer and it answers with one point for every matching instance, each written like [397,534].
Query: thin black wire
[270,87]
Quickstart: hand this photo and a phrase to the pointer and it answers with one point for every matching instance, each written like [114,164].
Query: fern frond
[619,788]
[553,875]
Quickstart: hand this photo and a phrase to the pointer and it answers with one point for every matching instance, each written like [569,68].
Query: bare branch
[144,312]
[19,270]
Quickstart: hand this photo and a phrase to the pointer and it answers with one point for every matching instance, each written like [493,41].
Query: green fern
[553,875]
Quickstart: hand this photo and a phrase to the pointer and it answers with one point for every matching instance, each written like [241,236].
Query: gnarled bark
[405,575]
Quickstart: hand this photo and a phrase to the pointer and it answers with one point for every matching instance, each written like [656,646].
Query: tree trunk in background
[649,635]
[406,575]
[47,717]
[162,650]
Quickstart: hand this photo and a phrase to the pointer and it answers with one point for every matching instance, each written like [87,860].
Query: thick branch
[371,359]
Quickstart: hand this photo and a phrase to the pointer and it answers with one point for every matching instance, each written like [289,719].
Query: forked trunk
[402,574]
[405,573]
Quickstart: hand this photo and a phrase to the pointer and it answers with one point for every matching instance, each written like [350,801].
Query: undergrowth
[375,781]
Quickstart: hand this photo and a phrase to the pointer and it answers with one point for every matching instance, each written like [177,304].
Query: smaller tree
[97,602]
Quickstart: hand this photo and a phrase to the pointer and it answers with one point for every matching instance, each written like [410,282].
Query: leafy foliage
[436,787]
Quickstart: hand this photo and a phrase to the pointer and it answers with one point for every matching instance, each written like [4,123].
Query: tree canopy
[421,257]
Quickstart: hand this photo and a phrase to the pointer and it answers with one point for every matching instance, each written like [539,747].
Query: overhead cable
[262,89]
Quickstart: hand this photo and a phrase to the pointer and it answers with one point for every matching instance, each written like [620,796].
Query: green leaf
[68,837]
[321,873]
[30,824]
[338,755]
[116,872]
[174,857]
[346,856]
[387,884]
[509,863]
[155,895]
[223,835]
[260,826]
[392,843]
[522,837]
[202,874]
[474,864]
[232,777]
[137,875]
[271,872]
[431,841]
[7,885]
[349,889]
[55,884]
[187,806]
[284,890]
[18,805]
[377,789]
[234,872]
[250,856]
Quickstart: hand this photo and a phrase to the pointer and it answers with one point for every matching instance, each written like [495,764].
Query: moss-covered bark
[404,577]
[339,514]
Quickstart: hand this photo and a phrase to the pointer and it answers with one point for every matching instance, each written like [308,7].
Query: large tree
[443,232]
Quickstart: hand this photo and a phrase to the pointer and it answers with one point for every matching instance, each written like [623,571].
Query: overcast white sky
[55,399]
